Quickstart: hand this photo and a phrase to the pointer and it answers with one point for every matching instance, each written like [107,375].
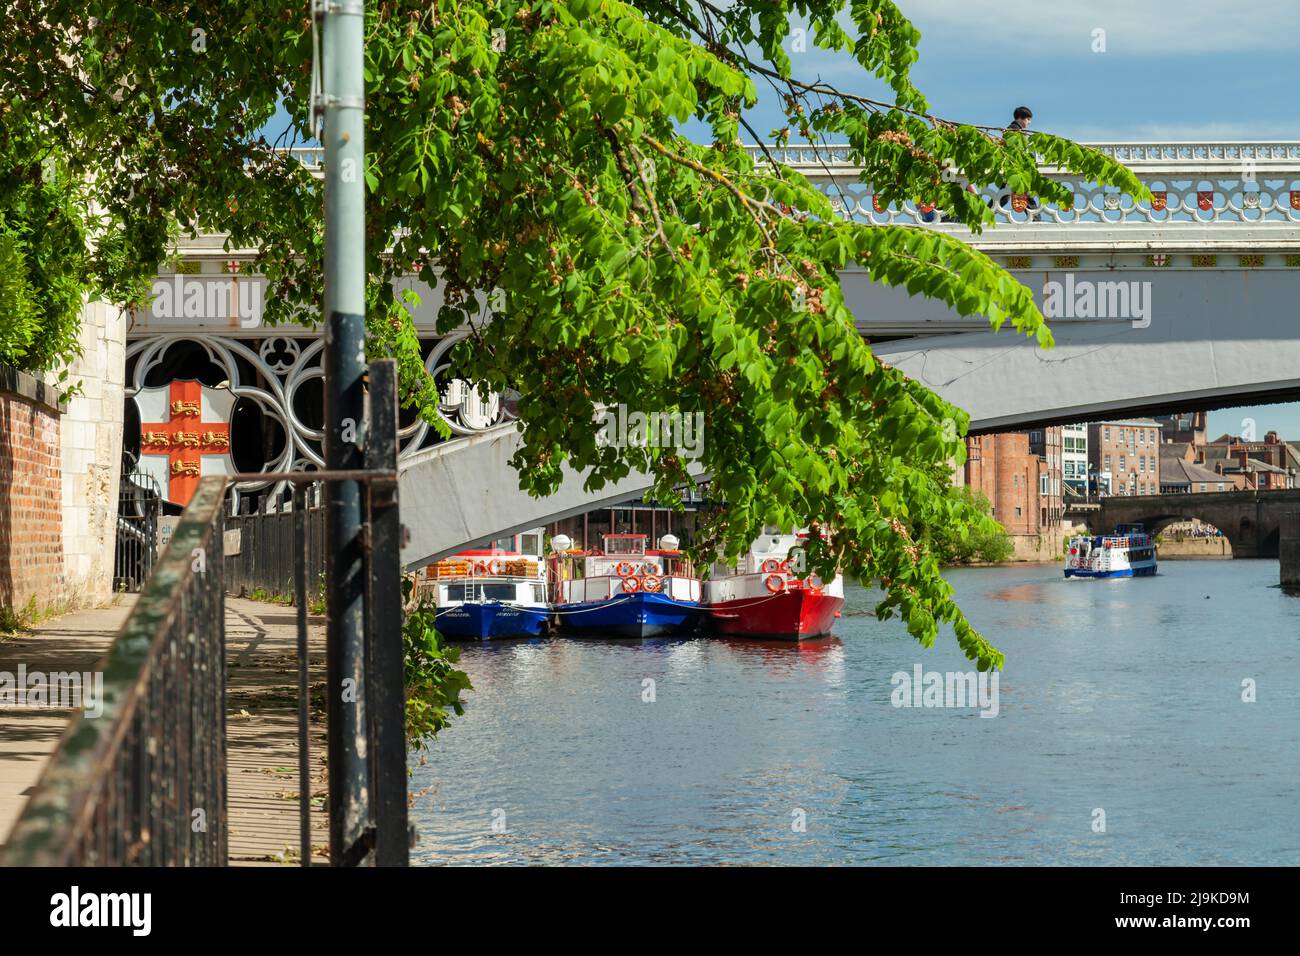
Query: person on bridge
[1020,120]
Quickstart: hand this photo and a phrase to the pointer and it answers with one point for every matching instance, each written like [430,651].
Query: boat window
[504,544]
[530,544]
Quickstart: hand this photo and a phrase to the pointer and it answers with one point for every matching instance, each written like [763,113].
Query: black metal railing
[262,552]
[139,506]
[144,782]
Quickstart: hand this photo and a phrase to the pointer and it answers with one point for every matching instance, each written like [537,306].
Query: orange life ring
[774,583]
[815,588]
[631,585]
[494,566]
[649,568]
[652,582]
[771,565]
[624,569]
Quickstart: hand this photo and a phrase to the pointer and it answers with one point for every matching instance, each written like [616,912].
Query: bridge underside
[464,491]
[1212,338]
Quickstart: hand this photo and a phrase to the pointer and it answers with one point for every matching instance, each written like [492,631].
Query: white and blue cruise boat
[494,592]
[1128,553]
[625,590]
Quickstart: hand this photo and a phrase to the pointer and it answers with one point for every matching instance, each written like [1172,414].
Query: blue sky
[1171,70]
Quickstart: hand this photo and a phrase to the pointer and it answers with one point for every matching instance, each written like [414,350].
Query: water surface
[1122,696]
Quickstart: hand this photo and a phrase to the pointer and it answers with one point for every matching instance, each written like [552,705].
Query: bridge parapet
[1205,194]
[1195,186]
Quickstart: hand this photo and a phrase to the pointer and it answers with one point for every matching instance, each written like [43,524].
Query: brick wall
[31,493]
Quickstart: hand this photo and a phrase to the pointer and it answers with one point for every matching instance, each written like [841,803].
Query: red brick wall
[31,503]
[1003,467]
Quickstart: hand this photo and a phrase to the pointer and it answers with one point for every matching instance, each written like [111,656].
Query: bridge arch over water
[1250,520]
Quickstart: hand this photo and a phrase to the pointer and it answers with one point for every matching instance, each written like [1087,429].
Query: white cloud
[1153,27]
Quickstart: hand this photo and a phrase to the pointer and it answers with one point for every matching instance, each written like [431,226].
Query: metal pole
[343,89]
[300,599]
[387,670]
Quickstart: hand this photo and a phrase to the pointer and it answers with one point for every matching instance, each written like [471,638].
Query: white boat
[1128,553]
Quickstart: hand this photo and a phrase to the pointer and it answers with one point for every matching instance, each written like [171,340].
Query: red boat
[764,598]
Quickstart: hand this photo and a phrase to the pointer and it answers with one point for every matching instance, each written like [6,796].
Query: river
[1121,737]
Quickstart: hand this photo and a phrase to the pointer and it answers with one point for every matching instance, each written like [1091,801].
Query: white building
[1074,456]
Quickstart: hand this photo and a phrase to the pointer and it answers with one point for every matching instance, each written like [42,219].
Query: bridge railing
[144,782]
[1192,184]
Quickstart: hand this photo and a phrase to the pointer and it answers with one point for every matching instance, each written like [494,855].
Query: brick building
[1005,468]
[1265,465]
[1184,427]
[1126,452]
[1047,444]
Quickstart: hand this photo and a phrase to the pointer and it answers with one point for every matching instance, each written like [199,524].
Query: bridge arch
[1250,520]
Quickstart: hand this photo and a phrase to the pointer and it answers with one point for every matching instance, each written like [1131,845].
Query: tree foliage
[536,148]
[43,267]
[982,540]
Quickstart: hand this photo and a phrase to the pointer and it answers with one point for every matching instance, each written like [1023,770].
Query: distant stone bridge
[1250,520]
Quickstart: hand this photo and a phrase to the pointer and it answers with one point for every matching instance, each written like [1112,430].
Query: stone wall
[1171,547]
[92,455]
[31,492]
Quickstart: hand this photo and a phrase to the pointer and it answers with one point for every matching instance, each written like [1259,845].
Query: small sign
[166,527]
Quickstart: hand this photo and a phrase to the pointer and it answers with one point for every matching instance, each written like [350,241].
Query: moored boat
[625,590]
[496,592]
[762,597]
[1128,553]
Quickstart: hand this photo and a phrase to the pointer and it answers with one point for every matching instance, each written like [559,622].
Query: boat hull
[1145,571]
[629,615]
[794,615]
[475,621]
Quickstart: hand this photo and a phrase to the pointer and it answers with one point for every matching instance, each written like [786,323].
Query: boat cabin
[624,565]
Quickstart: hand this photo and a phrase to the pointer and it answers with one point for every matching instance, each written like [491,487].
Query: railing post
[344,312]
[387,703]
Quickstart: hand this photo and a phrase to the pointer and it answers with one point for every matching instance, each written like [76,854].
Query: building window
[1220,486]
[1121,462]
[1203,486]
[1042,484]
[1106,434]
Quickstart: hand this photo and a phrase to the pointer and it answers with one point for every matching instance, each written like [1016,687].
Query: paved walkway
[262,733]
[28,735]
[261,726]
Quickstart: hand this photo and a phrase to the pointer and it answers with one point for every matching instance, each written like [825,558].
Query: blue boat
[491,592]
[627,591]
[481,621]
